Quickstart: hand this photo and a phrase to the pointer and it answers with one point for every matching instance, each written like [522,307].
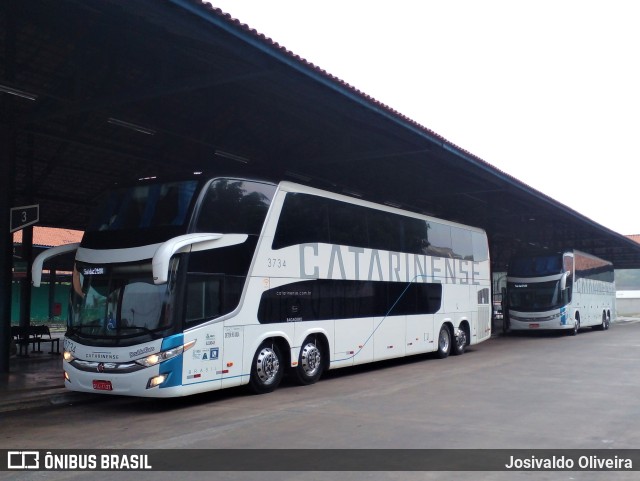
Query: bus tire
[310,362]
[444,342]
[576,328]
[605,323]
[266,369]
[459,342]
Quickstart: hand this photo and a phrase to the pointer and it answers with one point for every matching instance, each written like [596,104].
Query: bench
[35,336]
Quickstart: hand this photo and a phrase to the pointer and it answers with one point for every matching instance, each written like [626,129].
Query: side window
[480,246]
[234,206]
[348,224]
[204,296]
[483,296]
[438,240]
[416,236]
[384,231]
[339,299]
[461,243]
[303,219]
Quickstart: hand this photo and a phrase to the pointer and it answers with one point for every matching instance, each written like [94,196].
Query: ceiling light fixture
[230,156]
[296,175]
[18,93]
[130,126]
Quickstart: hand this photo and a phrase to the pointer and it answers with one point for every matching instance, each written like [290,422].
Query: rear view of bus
[560,291]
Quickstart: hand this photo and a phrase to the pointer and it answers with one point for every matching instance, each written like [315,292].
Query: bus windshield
[144,206]
[534,297]
[536,266]
[119,304]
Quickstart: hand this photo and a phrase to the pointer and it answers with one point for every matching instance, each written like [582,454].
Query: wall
[40,303]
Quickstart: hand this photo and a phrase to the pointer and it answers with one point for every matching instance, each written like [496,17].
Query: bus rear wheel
[310,362]
[605,323]
[444,342]
[459,343]
[267,368]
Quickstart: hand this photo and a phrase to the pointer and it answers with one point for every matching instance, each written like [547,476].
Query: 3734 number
[276,262]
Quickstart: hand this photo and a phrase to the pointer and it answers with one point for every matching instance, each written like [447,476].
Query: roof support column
[25,284]
[27,247]
[7,175]
[8,154]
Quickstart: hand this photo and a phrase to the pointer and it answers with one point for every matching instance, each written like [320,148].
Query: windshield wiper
[144,329]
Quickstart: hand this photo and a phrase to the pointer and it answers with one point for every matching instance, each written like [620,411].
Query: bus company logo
[141,351]
[23,460]
[520,285]
[101,355]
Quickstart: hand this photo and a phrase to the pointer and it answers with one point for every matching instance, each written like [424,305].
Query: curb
[61,397]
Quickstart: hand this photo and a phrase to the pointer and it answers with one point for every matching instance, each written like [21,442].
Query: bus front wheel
[310,362]
[444,342]
[267,368]
[576,328]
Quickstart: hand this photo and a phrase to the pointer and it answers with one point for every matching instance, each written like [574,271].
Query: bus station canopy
[92,93]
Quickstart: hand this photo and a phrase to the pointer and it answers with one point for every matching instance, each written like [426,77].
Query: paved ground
[544,391]
[37,380]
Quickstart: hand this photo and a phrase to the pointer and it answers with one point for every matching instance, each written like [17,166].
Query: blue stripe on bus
[172,367]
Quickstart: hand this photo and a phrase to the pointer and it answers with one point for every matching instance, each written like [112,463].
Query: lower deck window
[324,299]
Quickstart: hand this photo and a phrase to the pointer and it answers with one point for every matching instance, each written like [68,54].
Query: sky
[547,91]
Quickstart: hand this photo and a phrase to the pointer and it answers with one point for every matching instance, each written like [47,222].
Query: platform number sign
[24,216]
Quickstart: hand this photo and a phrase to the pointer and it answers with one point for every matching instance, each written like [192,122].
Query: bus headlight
[156,381]
[67,356]
[153,359]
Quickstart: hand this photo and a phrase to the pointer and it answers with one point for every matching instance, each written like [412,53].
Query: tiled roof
[50,237]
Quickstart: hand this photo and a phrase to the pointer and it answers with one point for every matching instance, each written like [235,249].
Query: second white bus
[560,290]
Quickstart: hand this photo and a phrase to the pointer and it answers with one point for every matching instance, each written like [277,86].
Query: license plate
[102,385]
[534,326]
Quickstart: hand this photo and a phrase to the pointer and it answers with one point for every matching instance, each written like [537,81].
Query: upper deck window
[234,206]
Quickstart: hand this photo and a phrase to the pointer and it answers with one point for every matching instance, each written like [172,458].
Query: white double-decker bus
[560,290]
[185,286]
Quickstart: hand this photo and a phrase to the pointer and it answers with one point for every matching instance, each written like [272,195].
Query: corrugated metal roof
[204,83]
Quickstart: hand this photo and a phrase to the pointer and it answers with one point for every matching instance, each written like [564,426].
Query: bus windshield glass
[119,304]
[534,297]
[145,206]
[536,266]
